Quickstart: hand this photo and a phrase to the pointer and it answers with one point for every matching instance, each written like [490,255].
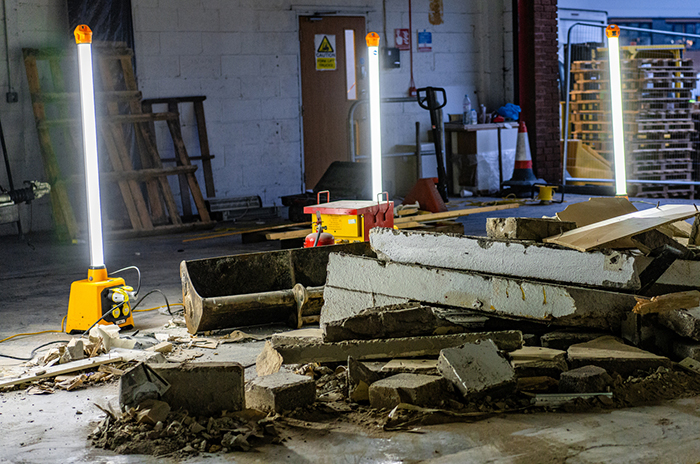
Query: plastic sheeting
[110,20]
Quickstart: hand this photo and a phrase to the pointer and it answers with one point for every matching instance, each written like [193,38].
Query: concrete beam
[609,269]
[499,296]
[306,349]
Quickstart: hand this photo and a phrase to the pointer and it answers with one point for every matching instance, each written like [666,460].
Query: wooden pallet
[142,211]
[666,126]
[662,191]
[661,167]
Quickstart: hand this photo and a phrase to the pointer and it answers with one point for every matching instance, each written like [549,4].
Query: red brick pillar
[538,71]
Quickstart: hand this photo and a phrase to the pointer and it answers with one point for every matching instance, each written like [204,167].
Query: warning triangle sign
[325,46]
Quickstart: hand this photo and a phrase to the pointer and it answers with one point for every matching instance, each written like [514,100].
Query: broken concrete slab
[685,322]
[645,332]
[520,228]
[282,391]
[536,361]
[417,389]
[153,411]
[268,361]
[141,383]
[613,355]
[203,389]
[499,296]
[586,379]
[360,377]
[477,369]
[411,366]
[563,339]
[608,269]
[403,320]
[307,349]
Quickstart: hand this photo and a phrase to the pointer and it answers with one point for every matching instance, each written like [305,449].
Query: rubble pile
[178,432]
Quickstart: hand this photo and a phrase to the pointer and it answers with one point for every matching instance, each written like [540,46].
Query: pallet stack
[657,115]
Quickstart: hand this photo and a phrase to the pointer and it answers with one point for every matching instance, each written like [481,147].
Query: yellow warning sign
[324,45]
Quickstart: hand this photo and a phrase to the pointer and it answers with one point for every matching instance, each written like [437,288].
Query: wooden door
[327,92]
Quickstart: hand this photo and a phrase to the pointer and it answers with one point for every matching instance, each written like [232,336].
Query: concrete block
[206,388]
[586,379]
[417,389]
[360,378]
[313,349]
[282,391]
[613,355]
[75,349]
[602,269]
[393,321]
[563,339]
[516,228]
[531,340]
[411,366]
[645,332]
[280,108]
[240,65]
[256,87]
[504,296]
[685,322]
[477,369]
[536,361]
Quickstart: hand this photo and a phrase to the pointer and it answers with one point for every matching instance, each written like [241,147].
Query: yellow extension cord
[64,320]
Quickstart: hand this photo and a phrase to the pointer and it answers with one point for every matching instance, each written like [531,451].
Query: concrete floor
[35,281]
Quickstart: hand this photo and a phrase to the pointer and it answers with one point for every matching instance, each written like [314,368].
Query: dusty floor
[34,285]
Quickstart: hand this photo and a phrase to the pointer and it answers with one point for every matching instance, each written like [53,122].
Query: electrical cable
[138,286]
[31,356]
[136,305]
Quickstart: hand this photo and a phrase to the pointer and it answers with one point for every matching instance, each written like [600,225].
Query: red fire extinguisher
[319,238]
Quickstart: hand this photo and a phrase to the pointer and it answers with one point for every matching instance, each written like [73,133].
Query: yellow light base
[85,303]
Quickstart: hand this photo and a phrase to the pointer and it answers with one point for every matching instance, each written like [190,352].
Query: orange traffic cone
[522,174]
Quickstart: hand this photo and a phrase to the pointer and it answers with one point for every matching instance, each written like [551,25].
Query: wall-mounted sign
[325,52]
[402,39]
[425,41]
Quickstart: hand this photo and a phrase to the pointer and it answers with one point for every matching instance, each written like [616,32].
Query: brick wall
[538,92]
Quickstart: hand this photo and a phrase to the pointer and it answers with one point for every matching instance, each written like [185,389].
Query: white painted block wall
[244,56]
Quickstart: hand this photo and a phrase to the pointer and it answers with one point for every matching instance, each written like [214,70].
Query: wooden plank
[596,210]
[247,231]
[140,175]
[75,366]
[118,95]
[124,187]
[454,214]
[602,233]
[149,141]
[149,152]
[107,119]
[182,179]
[64,216]
[181,153]
[204,147]
[668,302]
[301,233]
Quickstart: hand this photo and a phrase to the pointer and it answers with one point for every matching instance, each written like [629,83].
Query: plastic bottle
[473,119]
[466,110]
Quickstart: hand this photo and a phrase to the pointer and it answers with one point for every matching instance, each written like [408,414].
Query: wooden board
[596,210]
[602,233]
[667,302]
[53,371]
[453,214]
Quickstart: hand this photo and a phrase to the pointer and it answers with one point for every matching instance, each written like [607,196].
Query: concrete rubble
[437,328]
[417,389]
[281,391]
[613,355]
[586,379]
[477,369]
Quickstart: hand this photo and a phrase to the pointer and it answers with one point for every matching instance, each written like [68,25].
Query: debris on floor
[437,328]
